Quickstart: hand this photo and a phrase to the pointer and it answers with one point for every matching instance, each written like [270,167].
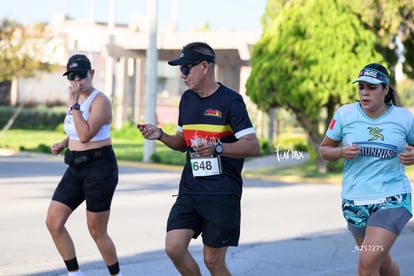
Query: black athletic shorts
[215,217]
[94,180]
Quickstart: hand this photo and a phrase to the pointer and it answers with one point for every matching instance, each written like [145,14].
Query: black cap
[78,62]
[190,57]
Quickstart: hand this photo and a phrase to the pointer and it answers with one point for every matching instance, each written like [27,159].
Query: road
[287,229]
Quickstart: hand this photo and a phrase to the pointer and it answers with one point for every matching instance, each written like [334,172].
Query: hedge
[39,118]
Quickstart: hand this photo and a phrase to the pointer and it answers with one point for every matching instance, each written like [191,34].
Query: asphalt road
[287,229]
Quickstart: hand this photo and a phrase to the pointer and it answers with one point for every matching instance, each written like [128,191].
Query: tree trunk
[321,164]
[315,138]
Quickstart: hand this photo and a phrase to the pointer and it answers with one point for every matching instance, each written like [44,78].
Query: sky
[221,15]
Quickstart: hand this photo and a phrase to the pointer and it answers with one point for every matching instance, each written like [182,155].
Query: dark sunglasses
[185,69]
[80,74]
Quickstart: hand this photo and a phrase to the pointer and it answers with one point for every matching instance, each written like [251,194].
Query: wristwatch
[76,106]
[219,148]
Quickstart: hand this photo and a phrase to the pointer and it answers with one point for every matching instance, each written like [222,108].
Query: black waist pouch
[74,158]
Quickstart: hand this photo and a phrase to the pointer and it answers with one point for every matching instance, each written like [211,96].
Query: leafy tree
[391,21]
[309,53]
[406,92]
[406,32]
[21,50]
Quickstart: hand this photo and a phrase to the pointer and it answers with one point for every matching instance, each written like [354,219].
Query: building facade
[118,54]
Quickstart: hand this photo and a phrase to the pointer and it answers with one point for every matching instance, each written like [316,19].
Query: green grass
[128,147]
[30,140]
[304,173]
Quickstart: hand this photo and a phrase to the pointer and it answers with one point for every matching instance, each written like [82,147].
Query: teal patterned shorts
[392,214]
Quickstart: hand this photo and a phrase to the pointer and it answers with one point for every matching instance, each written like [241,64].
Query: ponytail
[392,96]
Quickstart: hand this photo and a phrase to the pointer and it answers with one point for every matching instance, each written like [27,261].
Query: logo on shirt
[375,148]
[376,133]
[212,112]
[332,123]
[386,152]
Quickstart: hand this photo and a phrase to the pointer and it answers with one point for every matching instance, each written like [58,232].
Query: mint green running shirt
[377,171]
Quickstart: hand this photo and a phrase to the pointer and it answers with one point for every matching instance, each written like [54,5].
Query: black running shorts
[94,181]
[217,217]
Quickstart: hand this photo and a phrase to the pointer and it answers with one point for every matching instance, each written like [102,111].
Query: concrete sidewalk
[276,160]
[287,229]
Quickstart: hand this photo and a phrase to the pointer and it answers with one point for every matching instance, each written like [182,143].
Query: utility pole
[110,62]
[151,77]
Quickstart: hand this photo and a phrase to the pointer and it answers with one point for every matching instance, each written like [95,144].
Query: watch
[219,148]
[75,106]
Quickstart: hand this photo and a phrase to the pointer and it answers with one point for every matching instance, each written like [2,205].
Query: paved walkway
[276,160]
[287,229]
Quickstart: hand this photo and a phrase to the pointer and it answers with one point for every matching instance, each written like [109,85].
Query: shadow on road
[315,254]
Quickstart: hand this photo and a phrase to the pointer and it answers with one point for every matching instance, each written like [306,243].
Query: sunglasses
[185,69]
[80,74]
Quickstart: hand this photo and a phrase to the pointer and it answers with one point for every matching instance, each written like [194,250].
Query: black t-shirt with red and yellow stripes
[223,117]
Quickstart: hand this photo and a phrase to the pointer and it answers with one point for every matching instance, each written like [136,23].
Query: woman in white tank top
[92,173]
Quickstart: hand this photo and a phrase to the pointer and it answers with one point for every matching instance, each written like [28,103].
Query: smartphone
[142,127]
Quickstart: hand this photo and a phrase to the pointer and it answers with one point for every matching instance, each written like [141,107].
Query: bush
[336,166]
[297,143]
[39,118]
[266,147]
[300,147]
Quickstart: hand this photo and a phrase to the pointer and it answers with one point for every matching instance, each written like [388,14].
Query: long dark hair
[392,96]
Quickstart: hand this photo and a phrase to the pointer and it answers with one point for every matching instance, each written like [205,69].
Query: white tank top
[69,125]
